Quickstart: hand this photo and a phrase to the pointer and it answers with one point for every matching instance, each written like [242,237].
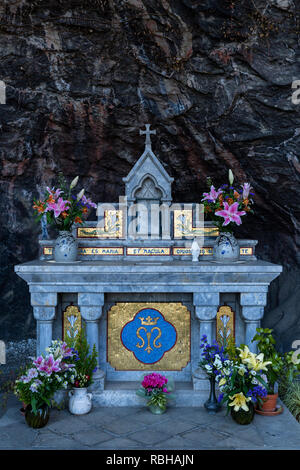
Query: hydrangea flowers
[226,205]
[61,207]
[157,389]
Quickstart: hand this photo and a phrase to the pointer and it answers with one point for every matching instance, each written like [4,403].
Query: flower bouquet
[156,388]
[225,207]
[241,383]
[62,208]
[85,366]
[41,379]
[213,359]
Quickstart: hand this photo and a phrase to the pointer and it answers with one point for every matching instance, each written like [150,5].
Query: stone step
[118,393]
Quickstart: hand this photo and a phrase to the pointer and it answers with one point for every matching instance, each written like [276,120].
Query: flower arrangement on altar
[241,382]
[156,388]
[225,206]
[213,357]
[62,207]
[43,377]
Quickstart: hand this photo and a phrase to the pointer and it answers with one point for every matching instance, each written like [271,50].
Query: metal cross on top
[147,132]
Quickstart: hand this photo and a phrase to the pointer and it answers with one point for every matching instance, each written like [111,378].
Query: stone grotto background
[213,77]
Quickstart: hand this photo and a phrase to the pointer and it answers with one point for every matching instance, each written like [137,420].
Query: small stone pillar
[44,311]
[252,311]
[206,307]
[90,306]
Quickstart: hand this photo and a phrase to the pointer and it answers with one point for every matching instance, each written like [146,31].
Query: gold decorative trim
[101,251]
[120,358]
[113,227]
[246,251]
[183,226]
[225,325]
[71,323]
[148,251]
[183,251]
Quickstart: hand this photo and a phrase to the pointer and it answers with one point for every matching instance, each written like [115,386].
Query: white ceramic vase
[226,248]
[65,247]
[80,402]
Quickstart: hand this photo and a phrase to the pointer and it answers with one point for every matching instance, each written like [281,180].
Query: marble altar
[144,301]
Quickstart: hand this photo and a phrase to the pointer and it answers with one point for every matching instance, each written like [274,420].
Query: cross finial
[148,133]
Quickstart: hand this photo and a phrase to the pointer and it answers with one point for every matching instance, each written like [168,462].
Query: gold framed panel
[225,325]
[71,324]
[183,226]
[175,359]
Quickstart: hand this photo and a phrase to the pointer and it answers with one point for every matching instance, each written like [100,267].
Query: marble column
[90,306]
[252,311]
[206,307]
[44,311]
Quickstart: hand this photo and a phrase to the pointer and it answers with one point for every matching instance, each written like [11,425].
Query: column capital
[47,299]
[91,313]
[206,298]
[254,298]
[252,313]
[44,314]
[90,299]
[207,314]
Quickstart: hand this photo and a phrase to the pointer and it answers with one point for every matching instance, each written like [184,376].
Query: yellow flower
[239,401]
[222,382]
[256,362]
[245,353]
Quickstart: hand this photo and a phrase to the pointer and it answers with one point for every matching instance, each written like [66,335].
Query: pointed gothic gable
[148,176]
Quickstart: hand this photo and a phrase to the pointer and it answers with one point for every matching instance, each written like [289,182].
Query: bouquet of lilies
[62,207]
[157,389]
[45,375]
[226,205]
[241,380]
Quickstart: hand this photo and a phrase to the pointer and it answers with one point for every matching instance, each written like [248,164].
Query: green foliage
[85,362]
[282,370]
[292,399]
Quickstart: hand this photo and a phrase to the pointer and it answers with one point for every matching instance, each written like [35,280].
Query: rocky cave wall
[213,77]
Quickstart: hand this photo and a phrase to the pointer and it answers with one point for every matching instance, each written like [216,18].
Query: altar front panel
[145,336]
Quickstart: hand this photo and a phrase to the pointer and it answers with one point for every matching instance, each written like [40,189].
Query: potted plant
[212,361]
[85,365]
[225,207]
[241,383]
[42,378]
[282,368]
[63,208]
[156,388]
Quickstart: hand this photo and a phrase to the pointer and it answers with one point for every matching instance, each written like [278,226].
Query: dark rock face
[214,77]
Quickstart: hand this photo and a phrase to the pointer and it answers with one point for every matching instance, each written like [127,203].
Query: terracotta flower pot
[270,403]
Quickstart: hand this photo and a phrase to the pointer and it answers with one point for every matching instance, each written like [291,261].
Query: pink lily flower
[213,195]
[58,207]
[55,194]
[49,365]
[246,190]
[231,213]
[88,202]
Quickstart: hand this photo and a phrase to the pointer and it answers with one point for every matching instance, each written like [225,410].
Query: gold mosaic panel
[148,251]
[183,226]
[113,227]
[225,325]
[121,358]
[71,324]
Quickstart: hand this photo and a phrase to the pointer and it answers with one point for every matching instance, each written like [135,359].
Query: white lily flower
[80,194]
[230,177]
[74,182]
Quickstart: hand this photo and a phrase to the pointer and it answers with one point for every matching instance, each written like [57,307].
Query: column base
[98,381]
[200,380]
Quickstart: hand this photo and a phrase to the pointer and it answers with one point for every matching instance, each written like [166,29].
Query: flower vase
[212,405]
[242,416]
[157,410]
[226,248]
[80,402]
[65,247]
[38,420]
